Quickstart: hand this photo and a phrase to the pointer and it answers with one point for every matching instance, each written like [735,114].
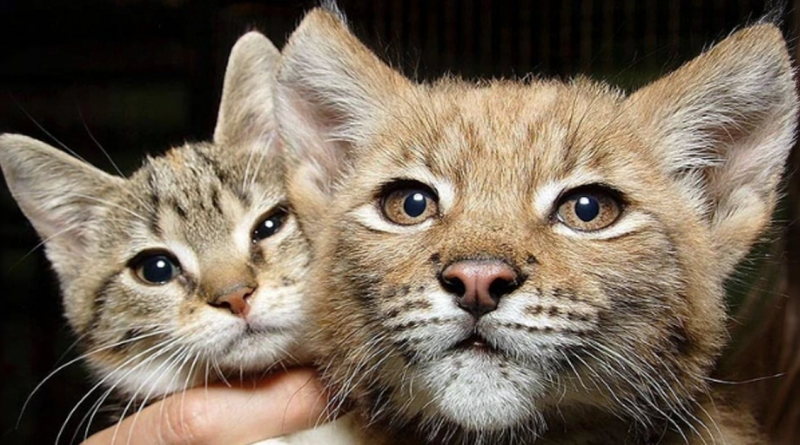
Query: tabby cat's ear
[330,90]
[245,115]
[722,126]
[59,194]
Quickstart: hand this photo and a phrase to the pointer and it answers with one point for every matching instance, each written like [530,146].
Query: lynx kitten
[531,262]
[191,269]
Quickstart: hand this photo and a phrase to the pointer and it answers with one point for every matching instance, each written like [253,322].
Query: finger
[278,405]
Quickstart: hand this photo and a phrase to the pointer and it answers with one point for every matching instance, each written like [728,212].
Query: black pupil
[587,208]
[415,204]
[158,269]
[268,226]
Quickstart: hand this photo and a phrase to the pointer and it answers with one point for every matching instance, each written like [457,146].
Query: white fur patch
[473,389]
[342,431]
[369,216]
[628,223]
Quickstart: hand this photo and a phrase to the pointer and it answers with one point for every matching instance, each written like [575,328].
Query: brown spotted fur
[612,335]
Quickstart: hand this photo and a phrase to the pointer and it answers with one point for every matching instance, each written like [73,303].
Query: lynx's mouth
[476,342]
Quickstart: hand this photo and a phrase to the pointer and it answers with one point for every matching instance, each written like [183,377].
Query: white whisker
[102,149]
[167,366]
[108,376]
[77,359]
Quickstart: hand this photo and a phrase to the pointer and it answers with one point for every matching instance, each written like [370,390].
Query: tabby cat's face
[493,256]
[200,254]
[194,266]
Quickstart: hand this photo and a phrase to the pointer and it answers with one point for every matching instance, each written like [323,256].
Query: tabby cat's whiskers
[161,348]
[82,357]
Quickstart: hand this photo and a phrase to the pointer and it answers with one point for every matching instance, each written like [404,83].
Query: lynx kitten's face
[190,269]
[493,256]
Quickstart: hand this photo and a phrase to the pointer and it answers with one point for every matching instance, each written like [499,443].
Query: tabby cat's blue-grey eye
[269,225]
[157,269]
[587,208]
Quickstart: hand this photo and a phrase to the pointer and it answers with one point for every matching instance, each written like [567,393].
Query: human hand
[242,414]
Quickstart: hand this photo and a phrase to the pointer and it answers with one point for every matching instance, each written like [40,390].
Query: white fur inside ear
[722,127]
[731,109]
[309,139]
[331,90]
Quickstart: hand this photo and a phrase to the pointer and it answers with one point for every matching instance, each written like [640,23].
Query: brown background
[144,75]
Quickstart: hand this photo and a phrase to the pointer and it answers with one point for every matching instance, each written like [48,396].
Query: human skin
[242,413]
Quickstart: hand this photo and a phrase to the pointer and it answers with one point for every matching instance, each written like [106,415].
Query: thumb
[245,413]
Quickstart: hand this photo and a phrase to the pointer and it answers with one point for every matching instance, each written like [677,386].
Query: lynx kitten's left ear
[245,114]
[723,126]
[331,90]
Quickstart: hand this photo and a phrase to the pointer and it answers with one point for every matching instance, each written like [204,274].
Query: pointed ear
[330,91]
[245,115]
[723,126]
[59,194]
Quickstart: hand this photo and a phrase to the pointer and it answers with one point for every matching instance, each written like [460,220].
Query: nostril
[502,286]
[479,285]
[234,300]
[221,304]
[453,284]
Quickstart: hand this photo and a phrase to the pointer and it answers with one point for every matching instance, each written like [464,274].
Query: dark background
[144,75]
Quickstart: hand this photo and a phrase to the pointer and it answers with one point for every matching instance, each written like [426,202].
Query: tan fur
[201,203]
[612,334]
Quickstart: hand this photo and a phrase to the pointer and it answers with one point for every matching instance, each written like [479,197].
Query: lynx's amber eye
[270,224]
[589,208]
[409,204]
[155,268]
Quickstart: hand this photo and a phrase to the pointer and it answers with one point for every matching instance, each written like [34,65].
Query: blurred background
[140,76]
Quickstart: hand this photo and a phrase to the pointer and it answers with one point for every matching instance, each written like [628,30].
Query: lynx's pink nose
[479,285]
[234,300]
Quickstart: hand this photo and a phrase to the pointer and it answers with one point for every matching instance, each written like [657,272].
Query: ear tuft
[333,8]
[722,126]
[245,114]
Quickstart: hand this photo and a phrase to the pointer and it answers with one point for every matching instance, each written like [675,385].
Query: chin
[481,390]
[259,352]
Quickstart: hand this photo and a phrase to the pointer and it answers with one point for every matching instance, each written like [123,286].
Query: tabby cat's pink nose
[235,300]
[478,285]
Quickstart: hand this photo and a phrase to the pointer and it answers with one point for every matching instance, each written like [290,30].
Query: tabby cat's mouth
[251,330]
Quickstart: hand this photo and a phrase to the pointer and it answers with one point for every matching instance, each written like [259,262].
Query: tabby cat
[531,262]
[193,267]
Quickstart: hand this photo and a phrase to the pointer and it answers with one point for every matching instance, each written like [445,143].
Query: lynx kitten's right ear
[245,115]
[723,126]
[58,194]
[330,90]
